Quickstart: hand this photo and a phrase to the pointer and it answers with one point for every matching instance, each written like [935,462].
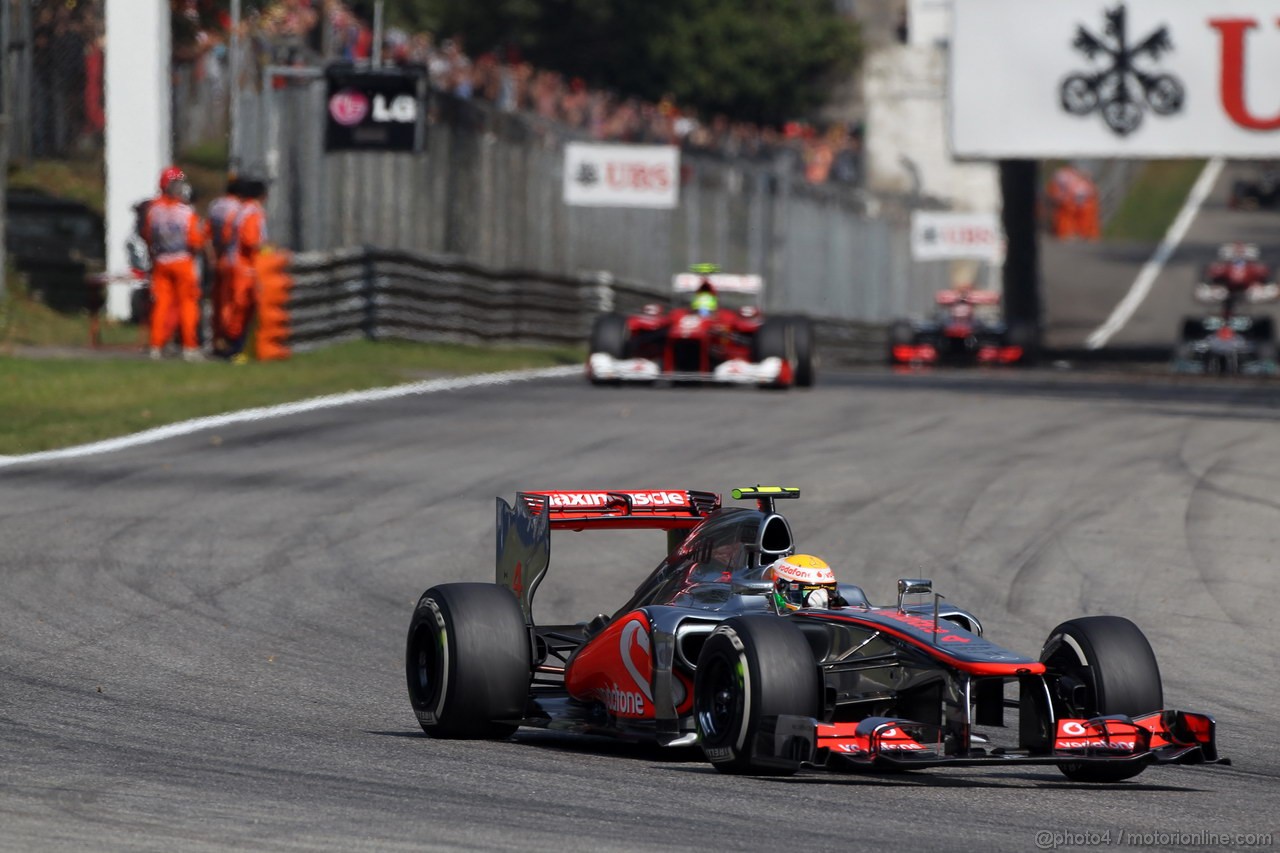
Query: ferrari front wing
[603,367]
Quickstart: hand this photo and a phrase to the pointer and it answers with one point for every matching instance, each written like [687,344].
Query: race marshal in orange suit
[174,235]
[245,235]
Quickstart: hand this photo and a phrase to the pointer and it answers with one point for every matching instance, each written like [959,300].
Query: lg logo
[402,109]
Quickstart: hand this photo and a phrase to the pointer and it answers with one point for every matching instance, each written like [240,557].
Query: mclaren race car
[965,329]
[717,333]
[703,652]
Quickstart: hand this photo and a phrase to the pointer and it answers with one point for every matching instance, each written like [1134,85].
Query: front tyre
[750,668]
[468,661]
[776,339]
[1103,665]
[611,336]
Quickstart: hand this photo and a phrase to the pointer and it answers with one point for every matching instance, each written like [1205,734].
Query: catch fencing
[488,188]
[379,294]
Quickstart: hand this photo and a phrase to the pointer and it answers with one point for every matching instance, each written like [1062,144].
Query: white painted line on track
[329,401]
[1151,269]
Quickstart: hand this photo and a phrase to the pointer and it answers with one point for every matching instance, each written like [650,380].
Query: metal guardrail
[386,294]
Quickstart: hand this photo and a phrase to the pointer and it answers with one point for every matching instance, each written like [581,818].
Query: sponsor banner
[374,110]
[1126,78]
[621,175]
[564,501]
[944,236]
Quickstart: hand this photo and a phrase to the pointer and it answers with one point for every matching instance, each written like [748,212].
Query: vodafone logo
[1072,729]
[348,107]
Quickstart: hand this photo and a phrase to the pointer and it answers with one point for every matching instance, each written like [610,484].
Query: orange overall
[173,234]
[221,212]
[245,234]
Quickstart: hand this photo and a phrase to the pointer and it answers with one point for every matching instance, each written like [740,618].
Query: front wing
[603,367]
[1162,737]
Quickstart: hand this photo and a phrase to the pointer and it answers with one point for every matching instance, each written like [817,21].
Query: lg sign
[373,110]
[621,175]
[1135,78]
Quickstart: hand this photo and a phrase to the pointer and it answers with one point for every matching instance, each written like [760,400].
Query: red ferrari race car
[717,334]
[1230,341]
[760,655]
[966,329]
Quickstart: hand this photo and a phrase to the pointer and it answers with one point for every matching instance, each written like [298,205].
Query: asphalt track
[201,640]
[1083,282]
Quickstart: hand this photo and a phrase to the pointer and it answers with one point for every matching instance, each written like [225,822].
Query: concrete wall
[907,149]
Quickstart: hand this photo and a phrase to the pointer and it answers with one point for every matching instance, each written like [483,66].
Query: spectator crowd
[293,32]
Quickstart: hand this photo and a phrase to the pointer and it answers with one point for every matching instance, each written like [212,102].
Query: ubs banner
[1139,78]
[621,175]
[374,109]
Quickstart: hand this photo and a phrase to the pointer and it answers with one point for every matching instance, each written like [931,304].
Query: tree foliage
[764,60]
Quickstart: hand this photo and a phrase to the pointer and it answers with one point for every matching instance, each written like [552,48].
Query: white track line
[1151,269]
[330,401]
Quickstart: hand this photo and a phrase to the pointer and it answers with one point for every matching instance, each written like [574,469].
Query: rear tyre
[806,366]
[468,661]
[1262,329]
[1103,665]
[750,668]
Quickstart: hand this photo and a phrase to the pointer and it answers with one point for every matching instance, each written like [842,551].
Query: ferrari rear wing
[524,530]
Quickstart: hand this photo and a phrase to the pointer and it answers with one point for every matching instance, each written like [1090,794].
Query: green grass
[78,180]
[25,322]
[50,403]
[1153,201]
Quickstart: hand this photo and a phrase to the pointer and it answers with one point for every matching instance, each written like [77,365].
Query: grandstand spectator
[504,79]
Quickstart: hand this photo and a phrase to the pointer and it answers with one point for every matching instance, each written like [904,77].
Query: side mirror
[912,586]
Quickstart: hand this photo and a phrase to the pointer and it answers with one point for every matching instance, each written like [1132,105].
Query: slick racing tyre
[468,661]
[750,668]
[609,335]
[1192,329]
[1103,665]
[777,338]
[806,365]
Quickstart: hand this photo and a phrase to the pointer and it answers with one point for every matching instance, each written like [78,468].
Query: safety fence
[488,187]
[315,299]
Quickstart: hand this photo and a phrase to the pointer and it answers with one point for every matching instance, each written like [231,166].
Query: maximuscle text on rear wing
[524,530]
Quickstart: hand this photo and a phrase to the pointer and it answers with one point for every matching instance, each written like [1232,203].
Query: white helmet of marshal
[802,580]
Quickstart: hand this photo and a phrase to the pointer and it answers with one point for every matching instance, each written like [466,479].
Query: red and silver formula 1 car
[718,335]
[966,329]
[703,652]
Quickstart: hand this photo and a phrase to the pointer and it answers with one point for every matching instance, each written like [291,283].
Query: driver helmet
[705,300]
[173,183]
[802,581]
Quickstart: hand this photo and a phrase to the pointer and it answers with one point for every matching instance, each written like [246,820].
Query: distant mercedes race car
[966,329]
[1230,341]
[718,335]
[704,652]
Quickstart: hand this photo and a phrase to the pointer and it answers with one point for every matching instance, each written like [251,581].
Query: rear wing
[723,282]
[524,530]
[973,297]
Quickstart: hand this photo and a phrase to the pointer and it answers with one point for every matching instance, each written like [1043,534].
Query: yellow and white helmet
[802,580]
